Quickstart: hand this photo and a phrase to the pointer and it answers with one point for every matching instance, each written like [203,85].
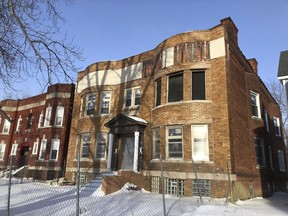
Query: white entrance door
[128,154]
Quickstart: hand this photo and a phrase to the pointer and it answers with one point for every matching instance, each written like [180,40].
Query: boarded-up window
[198,85]
[158,92]
[175,90]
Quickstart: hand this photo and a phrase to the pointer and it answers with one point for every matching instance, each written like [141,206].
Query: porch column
[136,149]
[109,159]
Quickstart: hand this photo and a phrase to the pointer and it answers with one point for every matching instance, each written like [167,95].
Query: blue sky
[117,29]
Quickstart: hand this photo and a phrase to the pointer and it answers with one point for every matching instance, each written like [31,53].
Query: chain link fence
[57,197]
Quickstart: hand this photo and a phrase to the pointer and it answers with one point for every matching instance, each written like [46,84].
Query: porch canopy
[124,124]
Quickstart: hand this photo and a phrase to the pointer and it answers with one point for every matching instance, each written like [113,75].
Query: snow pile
[32,198]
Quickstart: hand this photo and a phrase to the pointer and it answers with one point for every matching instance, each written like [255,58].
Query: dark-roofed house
[283,71]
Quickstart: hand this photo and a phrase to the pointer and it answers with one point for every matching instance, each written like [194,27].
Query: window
[156,143]
[40,121]
[19,123]
[158,92]
[6,127]
[14,149]
[2,151]
[90,104]
[47,116]
[281,161]
[29,121]
[59,116]
[198,85]
[86,140]
[101,145]
[175,87]
[174,187]
[155,184]
[132,97]
[105,102]
[54,149]
[201,187]
[260,152]
[255,104]
[174,135]
[200,145]
[168,57]
[35,148]
[266,119]
[270,158]
[277,130]
[42,149]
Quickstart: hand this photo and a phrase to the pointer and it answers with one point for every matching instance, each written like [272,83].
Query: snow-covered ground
[32,198]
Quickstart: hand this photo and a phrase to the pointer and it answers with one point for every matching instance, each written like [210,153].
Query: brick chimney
[254,64]
[231,29]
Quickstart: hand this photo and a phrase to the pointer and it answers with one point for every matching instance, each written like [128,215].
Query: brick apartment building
[39,133]
[196,102]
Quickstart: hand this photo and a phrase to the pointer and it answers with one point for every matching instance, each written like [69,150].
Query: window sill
[183,102]
[277,135]
[84,159]
[261,166]
[257,118]
[171,160]
[100,159]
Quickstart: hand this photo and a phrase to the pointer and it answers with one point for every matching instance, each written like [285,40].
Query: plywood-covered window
[175,87]
[198,85]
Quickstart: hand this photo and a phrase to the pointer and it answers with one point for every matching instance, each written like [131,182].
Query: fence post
[9,185]
[197,182]
[78,187]
[229,184]
[163,195]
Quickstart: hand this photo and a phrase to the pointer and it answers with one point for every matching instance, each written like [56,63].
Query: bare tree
[278,92]
[31,43]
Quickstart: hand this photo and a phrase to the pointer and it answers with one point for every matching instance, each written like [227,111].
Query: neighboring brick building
[39,133]
[194,96]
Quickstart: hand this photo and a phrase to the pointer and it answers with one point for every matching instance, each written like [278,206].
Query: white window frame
[55,144]
[19,123]
[35,147]
[90,103]
[257,103]
[6,127]
[59,116]
[174,142]
[14,149]
[87,144]
[2,151]
[102,142]
[174,187]
[133,98]
[42,151]
[276,123]
[156,143]
[281,160]
[105,102]
[168,57]
[266,120]
[47,116]
[40,120]
[200,143]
